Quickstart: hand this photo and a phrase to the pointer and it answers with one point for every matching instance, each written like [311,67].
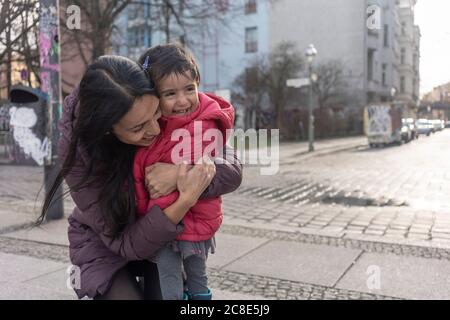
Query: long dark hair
[107,92]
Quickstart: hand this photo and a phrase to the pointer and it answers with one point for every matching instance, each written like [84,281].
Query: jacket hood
[211,107]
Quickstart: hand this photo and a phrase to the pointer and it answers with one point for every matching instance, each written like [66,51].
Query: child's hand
[192,182]
[161,179]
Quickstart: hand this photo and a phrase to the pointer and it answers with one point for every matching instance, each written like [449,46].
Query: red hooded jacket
[204,219]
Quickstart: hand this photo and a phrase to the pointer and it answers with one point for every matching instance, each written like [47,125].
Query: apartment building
[376,41]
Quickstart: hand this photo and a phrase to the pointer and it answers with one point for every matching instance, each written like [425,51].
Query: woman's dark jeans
[125,286]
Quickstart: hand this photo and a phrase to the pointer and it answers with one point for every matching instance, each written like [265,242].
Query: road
[345,210]
[400,191]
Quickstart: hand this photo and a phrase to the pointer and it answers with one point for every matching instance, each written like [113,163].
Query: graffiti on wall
[22,122]
[23,132]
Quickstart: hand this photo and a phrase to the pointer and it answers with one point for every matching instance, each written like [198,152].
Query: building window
[250,6]
[251,40]
[403,28]
[383,74]
[386,36]
[402,85]
[402,56]
[370,61]
[137,37]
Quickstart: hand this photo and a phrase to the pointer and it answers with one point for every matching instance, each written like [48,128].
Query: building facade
[134,31]
[409,43]
[438,94]
[376,41]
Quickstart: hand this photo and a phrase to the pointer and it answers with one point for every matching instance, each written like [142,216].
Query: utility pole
[311,54]
[8,46]
[310,113]
[51,85]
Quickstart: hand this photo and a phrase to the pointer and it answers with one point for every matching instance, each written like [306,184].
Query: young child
[176,77]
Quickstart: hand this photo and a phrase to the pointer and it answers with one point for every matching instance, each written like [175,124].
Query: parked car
[424,126]
[447,124]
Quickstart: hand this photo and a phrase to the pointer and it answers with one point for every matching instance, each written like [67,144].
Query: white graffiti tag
[22,120]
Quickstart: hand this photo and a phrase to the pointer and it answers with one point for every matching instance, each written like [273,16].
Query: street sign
[297,83]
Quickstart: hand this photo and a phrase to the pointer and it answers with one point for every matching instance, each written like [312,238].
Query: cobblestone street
[344,201]
[398,192]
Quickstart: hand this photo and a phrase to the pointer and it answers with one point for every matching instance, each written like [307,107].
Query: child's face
[178,95]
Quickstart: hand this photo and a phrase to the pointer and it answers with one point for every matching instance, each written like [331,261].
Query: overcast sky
[433,18]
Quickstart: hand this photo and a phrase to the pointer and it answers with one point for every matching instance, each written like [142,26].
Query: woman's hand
[191,182]
[161,179]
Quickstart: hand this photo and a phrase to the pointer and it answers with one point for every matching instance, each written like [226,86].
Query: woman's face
[139,126]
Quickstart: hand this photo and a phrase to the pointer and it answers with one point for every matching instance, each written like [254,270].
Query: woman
[113,111]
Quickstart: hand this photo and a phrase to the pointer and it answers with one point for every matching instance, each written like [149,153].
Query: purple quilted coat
[96,254]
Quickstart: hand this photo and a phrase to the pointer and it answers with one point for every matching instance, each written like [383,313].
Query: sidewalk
[244,267]
[292,151]
[39,267]
[253,260]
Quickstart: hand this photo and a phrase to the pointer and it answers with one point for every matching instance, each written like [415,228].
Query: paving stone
[396,276]
[297,262]
[374,232]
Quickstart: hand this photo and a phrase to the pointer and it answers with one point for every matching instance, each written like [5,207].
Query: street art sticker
[379,120]
[50,66]
[22,120]
[373,21]
[48,38]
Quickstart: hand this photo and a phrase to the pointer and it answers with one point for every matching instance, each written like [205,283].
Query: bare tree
[93,40]
[178,18]
[272,72]
[285,62]
[18,37]
[331,86]
[249,93]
